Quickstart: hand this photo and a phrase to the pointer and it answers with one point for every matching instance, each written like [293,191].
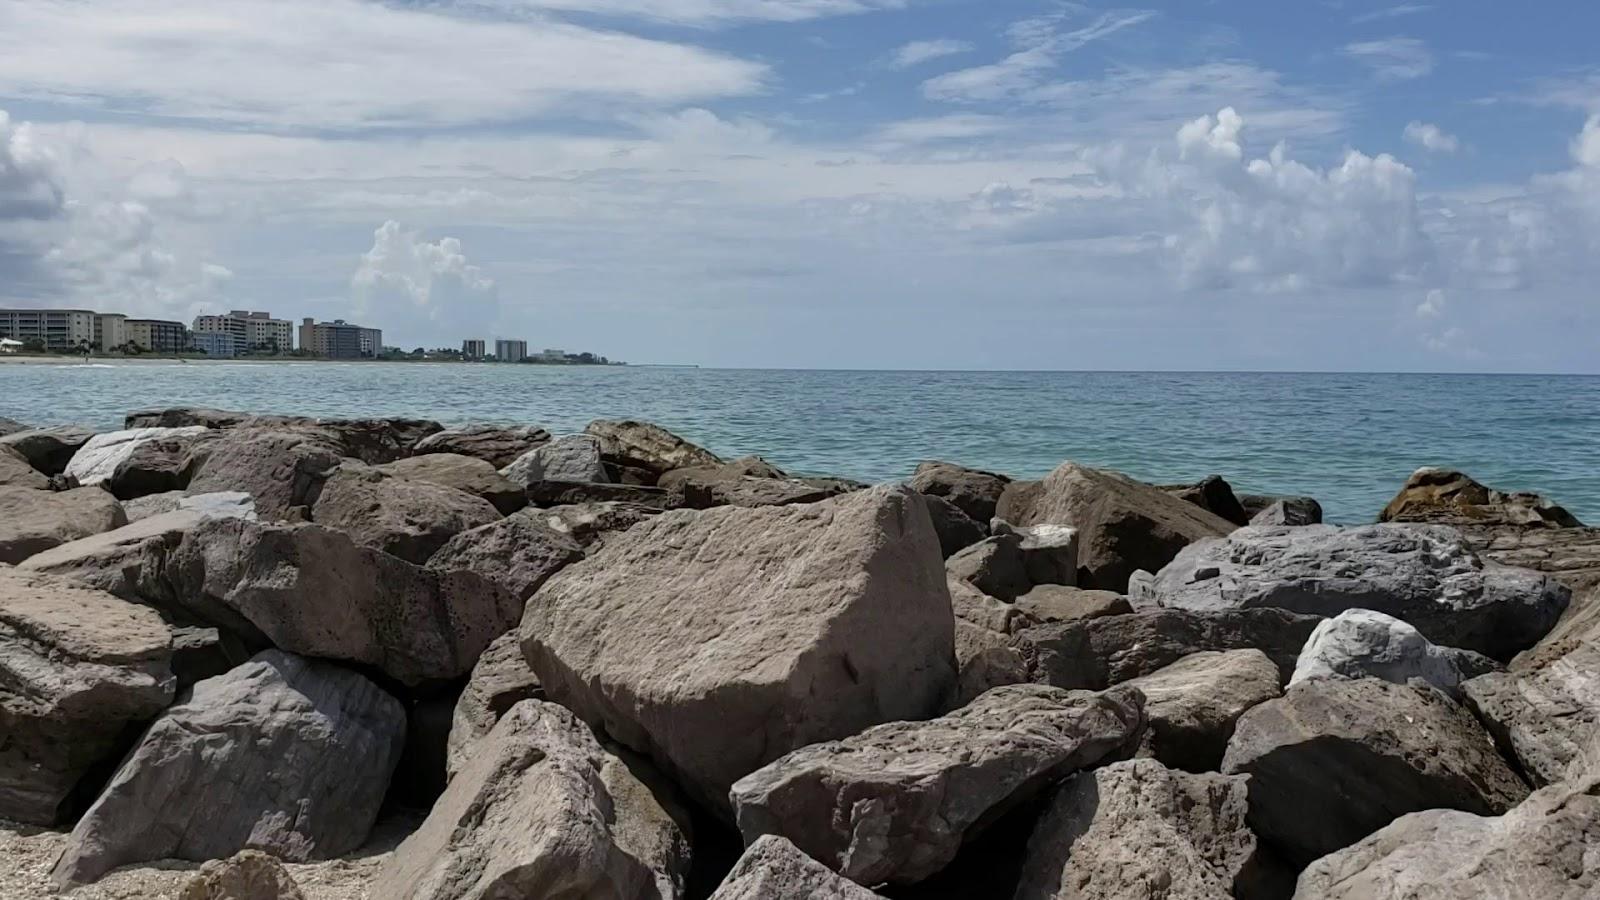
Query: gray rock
[984,627]
[499,681]
[33,521]
[463,473]
[401,517]
[956,529]
[246,875]
[520,553]
[994,565]
[775,637]
[775,869]
[156,504]
[162,464]
[1360,643]
[1194,704]
[1214,495]
[707,488]
[48,449]
[281,470]
[16,471]
[494,444]
[641,445]
[97,460]
[572,493]
[1049,552]
[12,426]
[573,458]
[895,802]
[541,810]
[743,467]
[1292,511]
[974,492]
[590,523]
[1361,753]
[1447,497]
[373,441]
[1544,717]
[77,667]
[199,653]
[1139,829]
[1060,603]
[281,754]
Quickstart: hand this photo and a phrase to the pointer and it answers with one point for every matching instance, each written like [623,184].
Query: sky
[950,184]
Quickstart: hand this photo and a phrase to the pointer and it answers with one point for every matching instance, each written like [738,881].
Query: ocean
[1349,440]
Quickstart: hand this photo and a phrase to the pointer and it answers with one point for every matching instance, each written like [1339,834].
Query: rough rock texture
[994,565]
[956,529]
[282,470]
[974,492]
[1360,643]
[373,441]
[775,869]
[1061,603]
[1543,718]
[984,626]
[1093,654]
[1214,495]
[1292,511]
[565,493]
[16,471]
[520,553]
[274,581]
[1421,574]
[1448,497]
[401,517]
[1049,553]
[33,521]
[775,637]
[77,666]
[156,504]
[1137,829]
[246,875]
[48,449]
[1123,525]
[281,754]
[98,459]
[574,458]
[591,523]
[162,464]
[499,681]
[654,449]
[11,426]
[463,473]
[705,488]
[1361,753]
[494,444]
[1193,704]
[541,810]
[895,802]
[1570,555]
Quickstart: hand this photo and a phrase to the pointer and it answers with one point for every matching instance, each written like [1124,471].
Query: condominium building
[553,355]
[472,349]
[214,344]
[339,339]
[58,329]
[250,330]
[510,351]
[158,335]
[371,342]
[110,331]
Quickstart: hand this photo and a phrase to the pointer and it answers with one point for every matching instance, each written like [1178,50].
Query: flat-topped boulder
[748,481]
[1426,575]
[1542,717]
[281,754]
[16,471]
[373,441]
[1194,704]
[497,445]
[463,473]
[773,868]
[77,667]
[972,491]
[500,680]
[572,493]
[705,475]
[33,521]
[1448,497]
[573,458]
[48,449]
[718,641]
[404,518]
[1064,603]
[1360,643]
[994,565]
[282,470]
[97,460]
[647,447]
[519,552]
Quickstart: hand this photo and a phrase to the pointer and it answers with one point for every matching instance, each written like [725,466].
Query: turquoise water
[1349,440]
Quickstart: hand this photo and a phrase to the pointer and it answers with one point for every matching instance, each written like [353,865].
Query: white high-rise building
[250,330]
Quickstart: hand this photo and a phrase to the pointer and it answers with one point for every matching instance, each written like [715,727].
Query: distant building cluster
[238,333]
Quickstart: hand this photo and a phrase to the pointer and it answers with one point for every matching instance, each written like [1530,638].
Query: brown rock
[246,875]
[641,445]
[401,517]
[33,521]
[973,492]
[1214,495]
[282,470]
[463,473]
[16,471]
[499,681]
[590,523]
[48,449]
[1062,603]
[775,869]
[520,553]
[1194,703]
[496,445]
[1448,497]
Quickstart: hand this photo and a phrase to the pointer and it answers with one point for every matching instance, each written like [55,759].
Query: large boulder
[520,553]
[463,473]
[1123,525]
[775,869]
[574,493]
[1542,717]
[500,680]
[591,523]
[499,446]
[283,470]
[956,529]
[48,449]
[573,458]
[718,641]
[1360,643]
[1297,510]
[161,464]
[974,492]
[706,475]
[984,626]
[281,754]
[372,441]
[246,875]
[541,810]
[895,802]
[1447,497]
[1064,603]
[994,565]
[273,581]
[16,471]
[1193,704]
[1425,575]
[1214,495]
[748,481]
[1361,753]
[11,426]
[401,517]
[1139,829]
[97,460]
[641,445]
[77,667]
[33,521]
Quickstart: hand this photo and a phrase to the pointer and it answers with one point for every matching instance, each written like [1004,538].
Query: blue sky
[832,183]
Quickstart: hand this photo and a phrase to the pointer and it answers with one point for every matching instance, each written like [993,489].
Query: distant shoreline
[33,360]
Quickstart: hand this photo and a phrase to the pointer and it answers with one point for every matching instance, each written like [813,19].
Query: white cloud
[338,64]
[701,12]
[415,289]
[1431,137]
[918,52]
[1392,12]
[1432,306]
[1040,43]
[29,183]
[1586,146]
[1393,59]
[942,128]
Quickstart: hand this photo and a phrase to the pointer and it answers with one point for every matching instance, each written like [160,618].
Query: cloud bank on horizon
[1346,184]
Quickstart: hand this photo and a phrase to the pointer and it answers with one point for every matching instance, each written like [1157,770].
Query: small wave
[84,366]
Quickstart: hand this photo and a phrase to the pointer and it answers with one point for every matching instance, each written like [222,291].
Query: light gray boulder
[499,681]
[573,458]
[281,754]
[1060,603]
[519,552]
[404,518]
[1542,717]
[775,869]
[16,471]
[895,802]
[1421,574]
[497,445]
[1361,643]
[647,447]
[33,521]
[1193,704]
[48,449]
[1139,829]
[77,667]
[720,640]
[97,460]
[541,810]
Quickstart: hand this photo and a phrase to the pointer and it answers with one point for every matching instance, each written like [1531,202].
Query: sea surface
[1348,440]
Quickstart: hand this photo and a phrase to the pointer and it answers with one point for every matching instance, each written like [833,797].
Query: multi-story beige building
[58,329]
[110,331]
[340,339]
[158,335]
[250,330]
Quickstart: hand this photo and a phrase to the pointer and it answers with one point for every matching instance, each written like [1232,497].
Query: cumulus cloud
[1393,59]
[1431,137]
[417,289]
[918,52]
[1040,43]
[701,12]
[1391,12]
[1432,305]
[30,185]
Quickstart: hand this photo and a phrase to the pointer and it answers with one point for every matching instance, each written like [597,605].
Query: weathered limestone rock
[499,681]
[994,565]
[705,491]
[1049,552]
[1123,525]
[705,476]
[1061,603]
[16,471]
[1139,829]
[1361,753]
[1193,704]
[775,869]
[281,469]
[541,810]
[494,444]
[373,441]
[48,449]
[186,416]
[33,521]
[1448,497]
[401,517]
[774,640]
[590,523]
[12,426]
[573,458]
[895,802]
[1214,495]
[161,464]
[246,875]
[1360,643]
[1092,654]
[97,460]
[281,754]
[984,626]
[973,492]
[572,493]
[156,504]
[1542,717]
[1421,574]
[463,473]
[652,448]
[77,666]
[273,581]
[1291,511]
[956,529]
[520,553]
